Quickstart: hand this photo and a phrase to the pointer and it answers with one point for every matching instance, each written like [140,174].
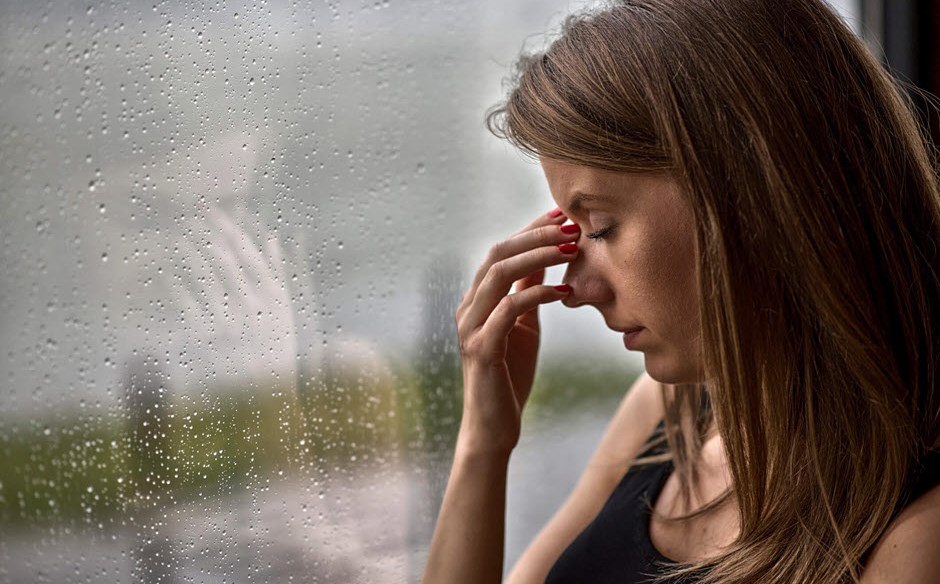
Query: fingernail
[555,213]
[568,247]
[570,228]
[563,288]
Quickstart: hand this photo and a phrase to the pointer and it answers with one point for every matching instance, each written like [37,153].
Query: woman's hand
[499,331]
[499,340]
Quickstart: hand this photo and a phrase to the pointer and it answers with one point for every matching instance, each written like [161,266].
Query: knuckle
[497,271]
[481,350]
[470,346]
[497,252]
[508,304]
[546,235]
[464,305]
[463,331]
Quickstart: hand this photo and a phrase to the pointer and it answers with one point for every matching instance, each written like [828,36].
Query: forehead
[575,186]
[567,176]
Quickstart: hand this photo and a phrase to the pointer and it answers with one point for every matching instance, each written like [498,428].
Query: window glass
[233,238]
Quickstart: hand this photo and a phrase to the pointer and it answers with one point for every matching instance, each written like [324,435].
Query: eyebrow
[581,198]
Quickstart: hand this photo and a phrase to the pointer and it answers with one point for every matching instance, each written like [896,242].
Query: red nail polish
[568,247]
[570,228]
[563,288]
[555,213]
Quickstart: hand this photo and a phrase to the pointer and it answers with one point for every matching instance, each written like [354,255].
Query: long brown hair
[817,226]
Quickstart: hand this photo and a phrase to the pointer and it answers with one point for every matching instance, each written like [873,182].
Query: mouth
[630,336]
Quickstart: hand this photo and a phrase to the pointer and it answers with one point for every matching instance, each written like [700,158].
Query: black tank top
[616,548]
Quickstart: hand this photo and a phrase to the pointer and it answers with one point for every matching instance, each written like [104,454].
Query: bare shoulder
[909,551]
[635,419]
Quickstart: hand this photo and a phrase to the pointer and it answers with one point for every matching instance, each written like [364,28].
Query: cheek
[660,271]
[677,280]
[646,258]
[670,240]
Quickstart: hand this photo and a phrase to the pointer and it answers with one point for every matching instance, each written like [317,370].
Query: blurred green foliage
[578,383]
[85,469]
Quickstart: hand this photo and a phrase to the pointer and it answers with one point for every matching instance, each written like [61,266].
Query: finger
[533,279]
[542,236]
[211,271]
[275,253]
[553,217]
[530,319]
[183,297]
[192,273]
[501,275]
[546,236]
[510,308]
[239,241]
[230,277]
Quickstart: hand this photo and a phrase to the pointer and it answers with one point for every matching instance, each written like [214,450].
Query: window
[233,236]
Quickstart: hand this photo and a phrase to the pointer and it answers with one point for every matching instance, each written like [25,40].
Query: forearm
[468,539]
[499,339]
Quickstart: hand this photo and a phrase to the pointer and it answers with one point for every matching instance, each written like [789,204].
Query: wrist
[476,449]
[482,435]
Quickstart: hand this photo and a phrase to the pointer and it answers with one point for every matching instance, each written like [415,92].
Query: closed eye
[600,233]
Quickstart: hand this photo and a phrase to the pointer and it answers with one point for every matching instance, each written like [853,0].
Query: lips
[630,338]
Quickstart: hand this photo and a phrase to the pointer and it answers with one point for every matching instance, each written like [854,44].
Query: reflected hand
[236,300]
[499,331]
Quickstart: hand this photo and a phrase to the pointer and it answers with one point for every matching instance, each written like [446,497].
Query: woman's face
[636,263]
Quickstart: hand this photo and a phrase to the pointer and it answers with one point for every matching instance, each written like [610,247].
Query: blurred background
[233,238]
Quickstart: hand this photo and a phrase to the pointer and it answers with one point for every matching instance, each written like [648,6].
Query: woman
[751,193]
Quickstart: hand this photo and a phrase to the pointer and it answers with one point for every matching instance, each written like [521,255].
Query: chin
[673,372]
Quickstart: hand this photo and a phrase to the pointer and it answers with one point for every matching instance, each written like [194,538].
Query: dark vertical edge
[910,36]
[931,61]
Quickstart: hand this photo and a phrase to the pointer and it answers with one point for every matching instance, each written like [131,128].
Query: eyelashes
[601,233]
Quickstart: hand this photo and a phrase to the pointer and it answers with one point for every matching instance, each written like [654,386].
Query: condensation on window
[233,238]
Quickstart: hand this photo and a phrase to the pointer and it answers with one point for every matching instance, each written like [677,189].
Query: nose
[588,283]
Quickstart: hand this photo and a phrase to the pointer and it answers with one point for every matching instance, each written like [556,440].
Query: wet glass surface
[233,237]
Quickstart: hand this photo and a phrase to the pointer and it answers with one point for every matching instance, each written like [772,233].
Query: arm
[467,545]
[634,421]
[499,338]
